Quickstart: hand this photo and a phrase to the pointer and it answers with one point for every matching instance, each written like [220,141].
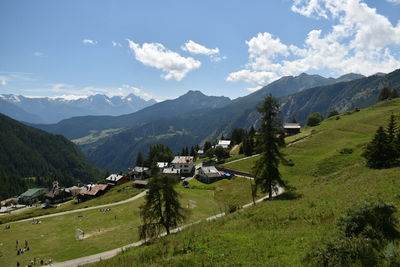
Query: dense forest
[31,157]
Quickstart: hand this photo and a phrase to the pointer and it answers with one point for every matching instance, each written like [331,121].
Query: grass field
[115,194]
[54,238]
[281,232]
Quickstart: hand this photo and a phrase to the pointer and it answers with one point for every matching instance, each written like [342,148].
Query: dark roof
[94,190]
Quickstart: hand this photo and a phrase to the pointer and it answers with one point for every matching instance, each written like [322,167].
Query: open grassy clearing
[95,136]
[115,194]
[281,232]
[54,238]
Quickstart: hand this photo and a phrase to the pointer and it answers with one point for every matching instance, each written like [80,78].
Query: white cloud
[7,78]
[361,41]
[198,49]
[252,77]
[115,44]
[38,54]
[171,63]
[3,80]
[394,1]
[88,41]
[195,48]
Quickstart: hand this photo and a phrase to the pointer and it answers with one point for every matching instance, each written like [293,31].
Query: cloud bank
[362,41]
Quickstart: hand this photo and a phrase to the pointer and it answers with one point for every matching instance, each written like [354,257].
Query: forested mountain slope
[29,156]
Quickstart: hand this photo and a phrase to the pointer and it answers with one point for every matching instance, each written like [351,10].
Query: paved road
[85,209]
[114,252]
[236,160]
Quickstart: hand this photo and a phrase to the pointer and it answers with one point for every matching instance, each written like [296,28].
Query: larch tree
[162,209]
[266,171]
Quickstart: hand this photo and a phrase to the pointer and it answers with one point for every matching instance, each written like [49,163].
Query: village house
[92,191]
[171,170]
[139,173]
[115,179]
[162,165]
[185,164]
[225,144]
[209,174]
[57,195]
[74,190]
[31,195]
[8,201]
[200,153]
[291,128]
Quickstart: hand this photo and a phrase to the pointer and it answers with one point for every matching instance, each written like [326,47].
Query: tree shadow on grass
[289,195]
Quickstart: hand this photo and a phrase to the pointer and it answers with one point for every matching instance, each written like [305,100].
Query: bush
[343,252]
[373,220]
[364,232]
[332,113]
[314,119]
[346,151]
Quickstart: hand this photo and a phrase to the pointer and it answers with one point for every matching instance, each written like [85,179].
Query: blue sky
[162,49]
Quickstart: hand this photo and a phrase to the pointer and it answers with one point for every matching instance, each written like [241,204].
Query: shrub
[346,151]
[343,252]
[332,113]
[374,220]
[364,231]
[314,119]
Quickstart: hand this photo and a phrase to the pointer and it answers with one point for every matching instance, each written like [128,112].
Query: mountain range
[53,110]
[194,117]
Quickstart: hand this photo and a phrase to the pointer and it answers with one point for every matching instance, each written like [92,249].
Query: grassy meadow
[54,238]
[324,184]
[115,194]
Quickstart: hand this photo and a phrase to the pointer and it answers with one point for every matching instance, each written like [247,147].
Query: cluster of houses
[56,194]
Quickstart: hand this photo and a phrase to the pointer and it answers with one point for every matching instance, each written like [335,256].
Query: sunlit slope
[281,232]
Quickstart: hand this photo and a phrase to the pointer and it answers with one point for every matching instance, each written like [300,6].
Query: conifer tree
[266,170]
[394,94]
[162,208]
[385,93]
[139,159]
[377,152]
[252,131]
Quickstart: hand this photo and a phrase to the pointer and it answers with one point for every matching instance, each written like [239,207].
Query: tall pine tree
[266,170]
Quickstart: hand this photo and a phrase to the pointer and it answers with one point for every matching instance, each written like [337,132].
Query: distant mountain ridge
[77,127]
[53,110]
[119,151]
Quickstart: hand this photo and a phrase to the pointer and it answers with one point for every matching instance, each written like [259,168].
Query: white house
[171,170]
[224,143]
[140,173]
[162,165]
[116,179]
[183,163]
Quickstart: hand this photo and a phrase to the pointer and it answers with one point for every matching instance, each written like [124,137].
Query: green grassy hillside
[281,232]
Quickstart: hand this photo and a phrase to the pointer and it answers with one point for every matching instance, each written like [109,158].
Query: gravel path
[142,194]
